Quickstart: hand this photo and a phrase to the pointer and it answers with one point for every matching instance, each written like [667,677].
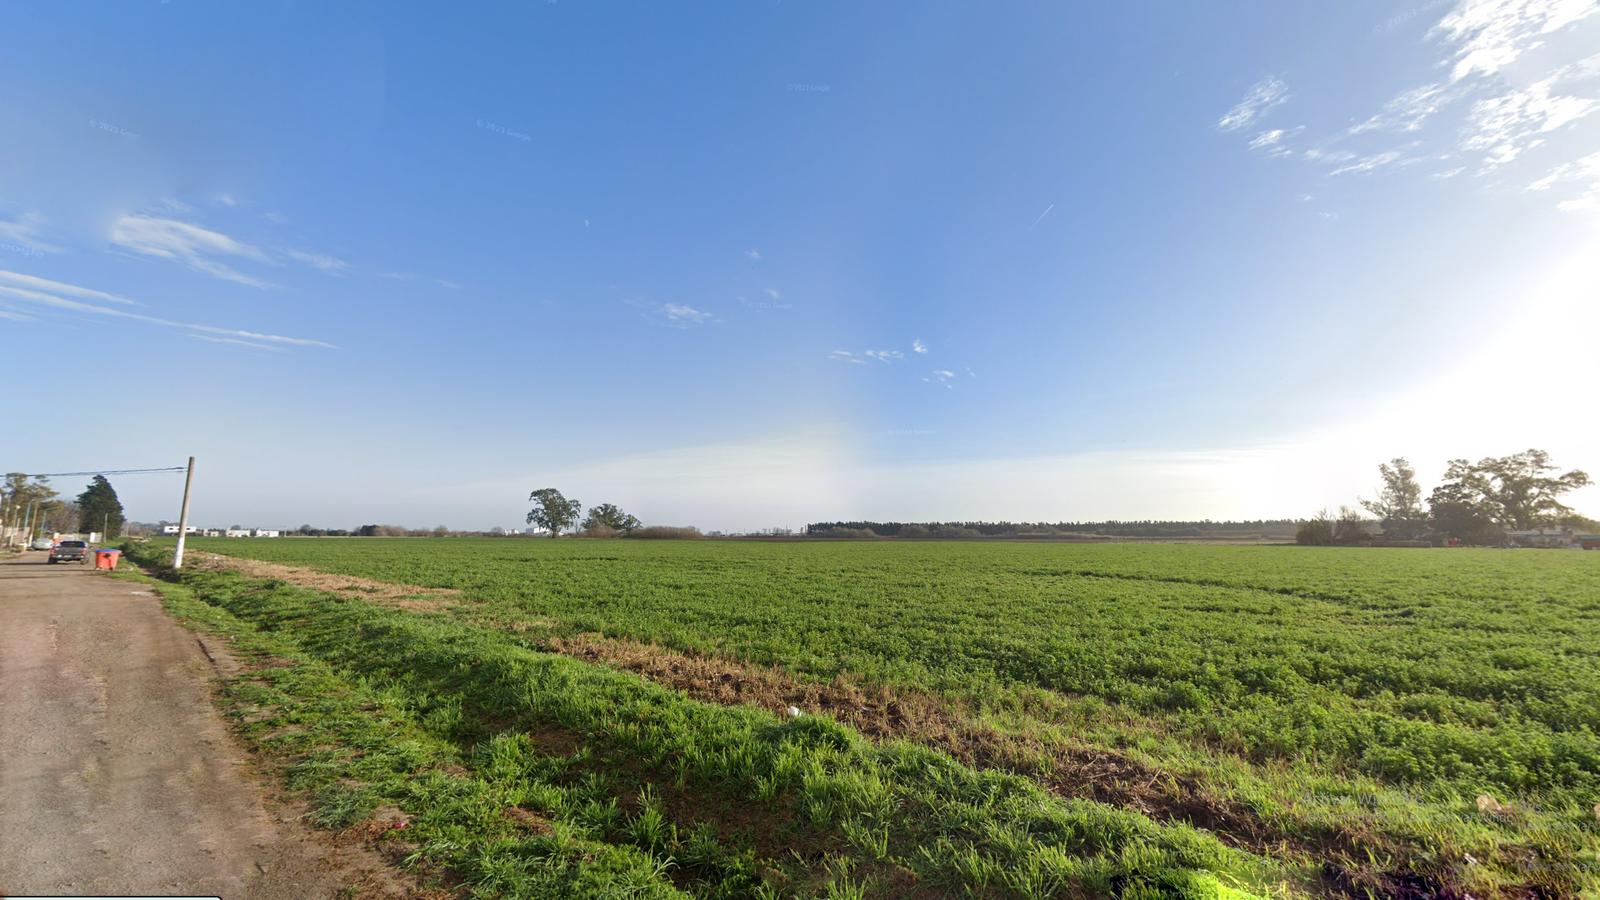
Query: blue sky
[749,264]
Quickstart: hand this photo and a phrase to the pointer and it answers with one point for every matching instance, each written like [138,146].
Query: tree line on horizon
[1478,503]
[1004,528]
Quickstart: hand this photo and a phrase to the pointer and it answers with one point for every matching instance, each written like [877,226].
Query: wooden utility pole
[183,517]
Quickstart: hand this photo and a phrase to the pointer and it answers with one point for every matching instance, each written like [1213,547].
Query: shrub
[667,533]
[1315,532]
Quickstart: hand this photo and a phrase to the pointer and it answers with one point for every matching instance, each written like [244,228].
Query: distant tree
[1579,523]
[440,531]
[608,516]
[59,516]
[98,507]
[18,491]
[1520,491]
[1316,531]
[553,512]
[1350,528]
[1399,504]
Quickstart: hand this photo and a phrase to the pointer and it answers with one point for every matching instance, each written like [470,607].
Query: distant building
[1543,537]
[173,529]
[238,532]
[266,532]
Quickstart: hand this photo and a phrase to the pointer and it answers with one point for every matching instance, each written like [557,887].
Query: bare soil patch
[883,713]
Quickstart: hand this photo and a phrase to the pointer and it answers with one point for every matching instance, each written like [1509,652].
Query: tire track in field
[1339,599]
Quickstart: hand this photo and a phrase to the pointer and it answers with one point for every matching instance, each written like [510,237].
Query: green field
[1000,719]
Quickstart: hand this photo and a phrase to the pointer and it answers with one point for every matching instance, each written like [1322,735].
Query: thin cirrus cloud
[38,292]
[1504,127]
[412,276]
[1263,97]
[673,315]
[917,346]
[208,250]
[193,245]
[1274,142]
[1473,118]
[25,232]
[333,265]
[860,359]
[1584,174]
[1492,34]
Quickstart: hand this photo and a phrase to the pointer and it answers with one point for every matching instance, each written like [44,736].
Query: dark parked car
[70,550]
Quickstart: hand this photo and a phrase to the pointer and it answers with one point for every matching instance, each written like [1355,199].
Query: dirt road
[117,774]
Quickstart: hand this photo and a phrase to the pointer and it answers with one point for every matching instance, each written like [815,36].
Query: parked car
[42,544]
[70,551]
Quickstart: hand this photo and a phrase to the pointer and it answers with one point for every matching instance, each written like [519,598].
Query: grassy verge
[522,773]
[1343,709]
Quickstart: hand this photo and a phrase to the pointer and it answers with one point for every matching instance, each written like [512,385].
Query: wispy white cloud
[35,283]
[193,245]
[208,250]
[333,265]
[1584,174]
[57,295]
[1318,154]
[1267,138]
[917,346]
[672,315]
[678,314]
[773,293]
[1273,142]
[1492,34]
[1264,96]
[753,253]
[1043,214]
[847,356]
[884,355]
[762,304]
[1376,161]
[237,342]
[25,232]
[1410,110]
[1474,111]
[1504,127]
[412,276]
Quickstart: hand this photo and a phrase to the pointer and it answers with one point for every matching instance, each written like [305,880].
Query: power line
[106,472]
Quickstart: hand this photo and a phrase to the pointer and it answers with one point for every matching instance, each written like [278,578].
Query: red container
[106,559]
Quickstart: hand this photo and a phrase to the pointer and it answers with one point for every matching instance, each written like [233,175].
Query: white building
[266,532]
[173,529]
[238,532]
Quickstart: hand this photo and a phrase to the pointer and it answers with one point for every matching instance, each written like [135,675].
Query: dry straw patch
[405,596]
